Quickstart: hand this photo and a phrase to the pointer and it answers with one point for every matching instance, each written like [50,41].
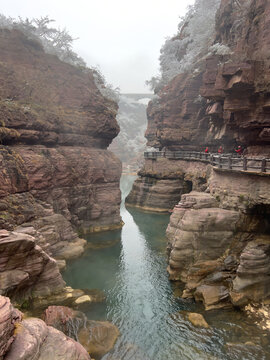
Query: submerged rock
[83,299]
[247,350]
[98,337]
[197,320]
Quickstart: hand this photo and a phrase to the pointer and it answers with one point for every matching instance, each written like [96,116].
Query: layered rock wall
[162,181]
[222,255]
[225,100]
[55,127]
[219,234]
[56,176]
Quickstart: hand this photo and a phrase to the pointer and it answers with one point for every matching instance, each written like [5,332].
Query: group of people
[238,150]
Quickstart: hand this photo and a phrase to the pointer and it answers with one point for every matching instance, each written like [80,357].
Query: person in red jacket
[239,150]
[220,150]
[206,150]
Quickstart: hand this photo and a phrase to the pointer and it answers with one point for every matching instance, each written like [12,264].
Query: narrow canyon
[177,263]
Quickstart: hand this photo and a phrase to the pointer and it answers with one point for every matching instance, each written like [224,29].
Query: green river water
[129,265]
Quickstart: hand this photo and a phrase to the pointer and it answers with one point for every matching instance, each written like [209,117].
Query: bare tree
[195,35]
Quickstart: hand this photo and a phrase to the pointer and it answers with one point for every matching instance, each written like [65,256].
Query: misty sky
[122,37]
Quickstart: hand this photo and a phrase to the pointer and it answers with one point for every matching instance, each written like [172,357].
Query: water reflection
[140,298]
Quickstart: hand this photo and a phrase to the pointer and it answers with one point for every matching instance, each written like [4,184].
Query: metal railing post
[245,163]
[219,162]
[263,166]
[214,160]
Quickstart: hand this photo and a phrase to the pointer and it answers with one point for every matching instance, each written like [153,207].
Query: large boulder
[31,338]
[9,318]
[35,340]
[98,337]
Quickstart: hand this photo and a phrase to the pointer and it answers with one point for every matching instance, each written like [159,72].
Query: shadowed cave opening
[188,186]
[260,215]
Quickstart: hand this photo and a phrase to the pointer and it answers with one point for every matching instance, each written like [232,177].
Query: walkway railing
[224,161]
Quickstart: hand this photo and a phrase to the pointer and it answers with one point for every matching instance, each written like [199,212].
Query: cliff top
[46,101]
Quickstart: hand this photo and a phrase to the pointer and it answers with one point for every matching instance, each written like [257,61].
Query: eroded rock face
[9,317]
[252,282]
[173,117]
[25,269]
[199,234]
[198,231]
[222,255]
[218,241]
[224,101]
[56,176]
[81,183]
[162,181]
[33,339]
[55,128]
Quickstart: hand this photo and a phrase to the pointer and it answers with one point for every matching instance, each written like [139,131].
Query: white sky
[122,37]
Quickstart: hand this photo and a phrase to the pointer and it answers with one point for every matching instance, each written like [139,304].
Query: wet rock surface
[30,277]
[98,337]
[197,320]
[33,339]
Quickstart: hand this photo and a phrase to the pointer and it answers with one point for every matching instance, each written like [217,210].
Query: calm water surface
[129,265]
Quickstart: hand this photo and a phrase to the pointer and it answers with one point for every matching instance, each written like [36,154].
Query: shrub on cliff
[57,42]
[195,35]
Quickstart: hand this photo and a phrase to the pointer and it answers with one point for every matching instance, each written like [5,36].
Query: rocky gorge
[59,182]
[218,235]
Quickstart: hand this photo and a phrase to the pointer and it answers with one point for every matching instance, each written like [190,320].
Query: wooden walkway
[224,161]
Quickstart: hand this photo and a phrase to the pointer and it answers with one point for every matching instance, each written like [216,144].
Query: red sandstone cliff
[225,100]
[56,176]
[219,234]
[221,100]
